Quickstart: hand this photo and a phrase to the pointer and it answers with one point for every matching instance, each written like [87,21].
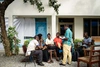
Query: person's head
[40,36]
[57,34]
[36,37]
[85,34]
[66,26]
[49,35]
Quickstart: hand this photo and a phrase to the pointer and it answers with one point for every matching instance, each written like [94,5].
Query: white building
[81,15]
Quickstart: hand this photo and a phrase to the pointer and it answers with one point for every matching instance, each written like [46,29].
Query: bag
[75,56]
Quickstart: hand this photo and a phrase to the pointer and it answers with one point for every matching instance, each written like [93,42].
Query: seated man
[33,49]
[58,43]
[86,43]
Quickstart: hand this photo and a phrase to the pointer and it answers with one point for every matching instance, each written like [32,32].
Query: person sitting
[51,47]
[33,49]
[44,48]
[86,43]
[58,43]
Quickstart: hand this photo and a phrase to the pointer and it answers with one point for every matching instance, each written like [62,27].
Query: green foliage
[76,43]
[53,3]
[14,41]
[26,42]
[38,3]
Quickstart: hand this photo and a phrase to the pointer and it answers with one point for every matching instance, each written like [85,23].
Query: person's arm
[66,35]
[89,43]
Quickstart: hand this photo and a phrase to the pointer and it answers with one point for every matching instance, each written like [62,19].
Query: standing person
[67,46]
[33,49]
[51,47]
[58,43]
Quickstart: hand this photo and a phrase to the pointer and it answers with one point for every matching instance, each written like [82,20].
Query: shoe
[68,63]
[57,59]
[50,61]
[62,64]
[41,64]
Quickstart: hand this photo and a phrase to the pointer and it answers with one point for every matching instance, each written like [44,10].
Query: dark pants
[45,55]
[38,54]
[59,54]
[80,51]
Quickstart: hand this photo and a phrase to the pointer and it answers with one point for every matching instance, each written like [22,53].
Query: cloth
[38,54]
[87,41]
[31,46]
[49,41]
[68,34]
[66,54]
[58,41]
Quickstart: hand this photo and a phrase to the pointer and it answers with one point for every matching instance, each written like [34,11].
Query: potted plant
[26,42]
[77,43]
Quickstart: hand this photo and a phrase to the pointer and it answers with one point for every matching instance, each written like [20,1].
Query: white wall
[78,27]
[68,7]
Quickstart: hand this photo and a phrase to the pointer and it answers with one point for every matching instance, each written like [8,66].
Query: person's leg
[55,55]
[39,55]
[57,51]
[69,55]
[50,57]
[65,52]
[45,55]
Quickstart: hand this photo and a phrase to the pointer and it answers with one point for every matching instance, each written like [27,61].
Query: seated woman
[51,47]
[58,43]
[44,48]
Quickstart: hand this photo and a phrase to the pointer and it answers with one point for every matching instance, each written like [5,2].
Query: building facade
[81,15]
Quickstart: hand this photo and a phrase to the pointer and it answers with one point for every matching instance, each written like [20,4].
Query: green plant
[40,7]
[77,43]
[14,41]
[54,4]
[26,42]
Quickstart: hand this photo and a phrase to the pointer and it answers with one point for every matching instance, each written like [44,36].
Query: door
[41,27]
[62,30]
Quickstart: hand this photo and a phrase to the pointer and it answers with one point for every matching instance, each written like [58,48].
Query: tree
[3,7]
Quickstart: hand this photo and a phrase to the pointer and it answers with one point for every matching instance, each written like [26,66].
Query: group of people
[59,47]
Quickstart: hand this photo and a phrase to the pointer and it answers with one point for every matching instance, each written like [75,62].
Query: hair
[35,36]
[58,33]
[39,35]
[48,34]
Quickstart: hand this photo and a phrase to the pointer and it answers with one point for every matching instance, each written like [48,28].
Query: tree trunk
[5,40]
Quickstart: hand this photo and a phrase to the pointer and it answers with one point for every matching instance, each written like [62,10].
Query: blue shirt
[68,34]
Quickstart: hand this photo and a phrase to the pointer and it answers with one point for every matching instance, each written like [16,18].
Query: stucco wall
[78,27]
[68,7]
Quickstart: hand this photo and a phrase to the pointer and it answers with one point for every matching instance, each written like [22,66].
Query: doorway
[62,22]
[41,27]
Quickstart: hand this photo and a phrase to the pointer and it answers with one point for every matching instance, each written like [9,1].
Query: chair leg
[90,65]
[99,64]
[78,63]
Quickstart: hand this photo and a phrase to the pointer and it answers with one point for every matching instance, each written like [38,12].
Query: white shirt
[49,41]
[31,46]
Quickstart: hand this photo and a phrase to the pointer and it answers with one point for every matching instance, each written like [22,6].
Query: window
[92,26]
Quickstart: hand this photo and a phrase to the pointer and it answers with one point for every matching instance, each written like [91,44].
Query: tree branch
[6,3]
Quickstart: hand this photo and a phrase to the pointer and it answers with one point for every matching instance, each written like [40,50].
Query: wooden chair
[93,57]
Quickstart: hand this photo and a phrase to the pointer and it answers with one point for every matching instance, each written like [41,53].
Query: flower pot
[24,49]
